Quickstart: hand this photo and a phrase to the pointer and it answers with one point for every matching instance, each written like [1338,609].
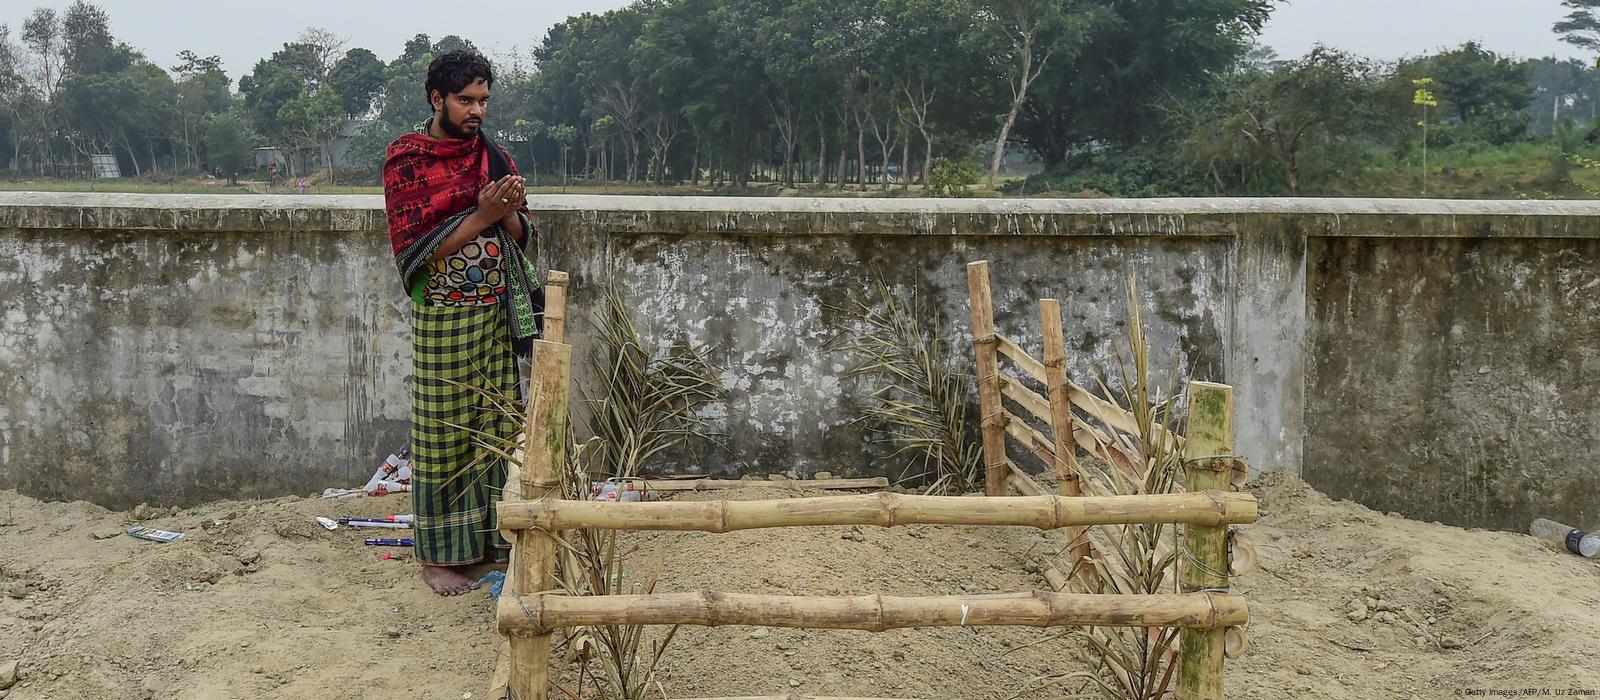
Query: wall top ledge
[331,213]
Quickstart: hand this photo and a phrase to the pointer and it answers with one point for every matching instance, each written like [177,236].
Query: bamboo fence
[1207,613]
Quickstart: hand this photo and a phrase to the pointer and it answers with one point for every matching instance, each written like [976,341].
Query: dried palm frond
[649,401]
[611,663]
[917,403]
[1132,663]
[1137,559]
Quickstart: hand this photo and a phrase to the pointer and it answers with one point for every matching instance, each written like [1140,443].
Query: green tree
[932,59]
[130,109]
[41,33]
[1424,98]
[227,144]
[416,50]
[358,78]
[13,94]
[311,121]
[1302,117]
[272,84]
[705,51]
[1024,36]
[597,52]
[1143,53]
[1581,26]
[199,94]
[191,64]
[451,42]
[1562,88]
[565,136]
[87,44]
[1478,81]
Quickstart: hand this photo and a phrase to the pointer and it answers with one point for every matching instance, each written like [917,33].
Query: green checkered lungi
[455,480]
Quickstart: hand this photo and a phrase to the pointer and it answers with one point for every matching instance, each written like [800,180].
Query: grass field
[1530,170]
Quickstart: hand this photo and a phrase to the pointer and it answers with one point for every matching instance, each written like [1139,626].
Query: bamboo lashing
[882,509]
[1091,439]
[1204,566]
[1110,414]
[543,613]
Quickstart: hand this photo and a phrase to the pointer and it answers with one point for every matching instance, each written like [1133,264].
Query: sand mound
[259,602]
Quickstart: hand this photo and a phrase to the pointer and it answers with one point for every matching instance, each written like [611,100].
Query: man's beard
[454,130]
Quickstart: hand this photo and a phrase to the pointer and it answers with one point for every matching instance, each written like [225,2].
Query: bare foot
[445,580]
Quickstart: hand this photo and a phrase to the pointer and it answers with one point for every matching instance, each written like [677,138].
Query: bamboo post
[543,459]
[1056,383]
[555,307]
[555,330]
[1205,565]
[992,419]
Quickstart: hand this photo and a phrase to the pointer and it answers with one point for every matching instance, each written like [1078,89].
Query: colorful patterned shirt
[471,276]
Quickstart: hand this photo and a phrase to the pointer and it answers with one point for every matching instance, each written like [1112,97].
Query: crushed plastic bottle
[1583,544]
[622,490]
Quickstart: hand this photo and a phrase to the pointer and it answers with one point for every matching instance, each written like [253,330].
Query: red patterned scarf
[430,185]
[427,180]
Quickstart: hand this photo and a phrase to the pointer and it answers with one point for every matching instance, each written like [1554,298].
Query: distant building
[269,155]
[341,143]
[311,159]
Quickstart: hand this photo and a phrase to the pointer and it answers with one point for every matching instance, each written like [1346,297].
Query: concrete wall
[172,348]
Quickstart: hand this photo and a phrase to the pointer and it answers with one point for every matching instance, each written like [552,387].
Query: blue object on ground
[495,580]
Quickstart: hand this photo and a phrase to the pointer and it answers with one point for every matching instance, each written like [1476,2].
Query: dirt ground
[258,601]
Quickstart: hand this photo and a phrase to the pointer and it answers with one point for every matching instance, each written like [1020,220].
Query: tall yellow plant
[1424,98]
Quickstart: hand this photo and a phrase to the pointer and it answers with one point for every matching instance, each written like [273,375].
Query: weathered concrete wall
[1457,379]
[175,355]
[224,346]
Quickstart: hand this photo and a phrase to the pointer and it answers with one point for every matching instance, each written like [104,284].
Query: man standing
[457,220]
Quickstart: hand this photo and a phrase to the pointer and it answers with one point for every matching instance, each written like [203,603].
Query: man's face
[460,114]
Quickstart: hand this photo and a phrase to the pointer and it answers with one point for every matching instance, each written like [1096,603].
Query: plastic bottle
[1583,544]
[605,491]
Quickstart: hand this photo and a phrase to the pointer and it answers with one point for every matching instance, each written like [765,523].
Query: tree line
[1122,95]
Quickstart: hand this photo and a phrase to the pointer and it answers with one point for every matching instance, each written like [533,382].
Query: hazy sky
[243,32]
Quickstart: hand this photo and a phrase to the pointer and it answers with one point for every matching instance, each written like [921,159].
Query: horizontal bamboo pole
[542,613]
[883,509]
[874,482]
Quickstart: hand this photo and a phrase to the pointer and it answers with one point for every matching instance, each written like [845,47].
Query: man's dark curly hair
[454,71]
